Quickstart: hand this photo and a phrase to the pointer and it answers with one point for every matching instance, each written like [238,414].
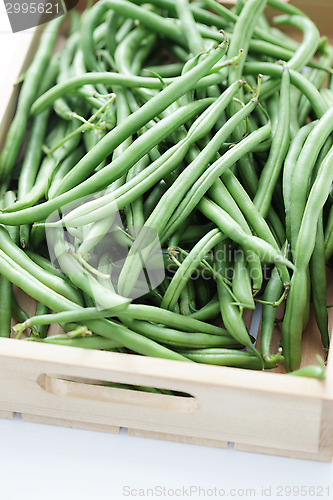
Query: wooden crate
[266,412]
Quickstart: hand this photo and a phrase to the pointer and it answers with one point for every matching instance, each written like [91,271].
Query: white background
[39,462]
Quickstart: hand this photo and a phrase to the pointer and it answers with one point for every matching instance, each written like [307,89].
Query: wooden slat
[90,426]
[275,404]
[178,439]
[6,414]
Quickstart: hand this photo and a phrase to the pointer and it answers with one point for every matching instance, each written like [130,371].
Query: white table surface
[41,462]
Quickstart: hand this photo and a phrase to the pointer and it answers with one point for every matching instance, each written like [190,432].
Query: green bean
[318,283]
[166,70]
[227,14]
[57,284]
[320,158]
[61,107]
[98,230]
[88,342]
[5,284]
[313,371]
[93,38]
[133,81]
[189,27]
[159,132]
[212,173]
[233,230]
[199,14]
[296,301]
[227,357]
[40,310]
[64,167]
[112,19]
[106,328]
[138,312]
[288,8]
[241,281]
[5,306]
[272,293]
[329,236]
[149,19]
[153,198]
[33,152]
[65,255]
[45,264]
[64,317]
[295,96]
[280,53]
[195,232]
[8,200]
[31,163]
[74,22]
[295,149]
[180,339]
[221,196]
[199,185]
[45,173]
[169,201]
[310,42]
[280,143]
[124,28]
[125,50]
[210,311]
[301,82]
[231,315]
[303,53]
[27,96]
[242,34]
[187,299]
[163,165]
[303,169]
[202,290]
[253,216]
[19,314]
[190,263]
[327,95]
[88,92]
[317,77]
[134,211]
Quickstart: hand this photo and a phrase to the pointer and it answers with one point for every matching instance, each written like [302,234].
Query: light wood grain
[178,439]
[254,408]
[62,422]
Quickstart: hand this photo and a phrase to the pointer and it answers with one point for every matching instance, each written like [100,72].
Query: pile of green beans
[168,169]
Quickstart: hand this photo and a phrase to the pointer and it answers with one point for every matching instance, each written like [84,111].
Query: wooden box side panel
[43,380]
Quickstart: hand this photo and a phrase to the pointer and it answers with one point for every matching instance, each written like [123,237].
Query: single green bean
[296,300]
[241,281]
[188,266]
[180,339]
[279,147]
[319,284]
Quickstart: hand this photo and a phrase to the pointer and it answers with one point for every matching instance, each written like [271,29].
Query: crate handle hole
[127,394]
